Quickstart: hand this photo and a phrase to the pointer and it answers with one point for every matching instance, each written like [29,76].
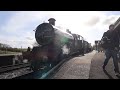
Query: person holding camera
[110,42]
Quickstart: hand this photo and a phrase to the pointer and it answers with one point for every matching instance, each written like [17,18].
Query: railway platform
[86,67]
[96,70]
[75,68]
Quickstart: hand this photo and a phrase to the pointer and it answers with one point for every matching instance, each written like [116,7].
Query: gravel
[15,73]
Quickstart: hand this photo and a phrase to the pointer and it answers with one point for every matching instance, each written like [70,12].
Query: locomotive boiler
[54,45]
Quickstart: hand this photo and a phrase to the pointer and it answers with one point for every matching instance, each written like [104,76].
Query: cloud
[18,30]
[22,19]
[29,38]
[111,19]
[93,21]
[18,27]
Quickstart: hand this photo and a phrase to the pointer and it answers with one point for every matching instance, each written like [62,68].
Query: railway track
[15,73]
[46,73]
[8,68]
[22,71]
[12,71]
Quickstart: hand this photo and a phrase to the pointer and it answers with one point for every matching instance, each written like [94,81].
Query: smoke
[65,49]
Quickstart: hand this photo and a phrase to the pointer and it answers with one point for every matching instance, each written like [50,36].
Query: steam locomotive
[55,44]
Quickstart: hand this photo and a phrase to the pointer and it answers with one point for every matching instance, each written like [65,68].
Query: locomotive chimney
[52,21]
[67,30]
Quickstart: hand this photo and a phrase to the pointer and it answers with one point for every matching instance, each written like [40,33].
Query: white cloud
[93,21]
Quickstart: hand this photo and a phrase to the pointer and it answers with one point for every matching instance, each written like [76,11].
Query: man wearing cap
[111,46]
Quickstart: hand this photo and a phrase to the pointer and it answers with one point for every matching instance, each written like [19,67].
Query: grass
[7,52]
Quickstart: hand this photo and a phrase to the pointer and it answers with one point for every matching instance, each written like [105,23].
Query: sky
[16,27]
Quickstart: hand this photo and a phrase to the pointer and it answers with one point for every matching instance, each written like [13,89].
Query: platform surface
[87,67]
[96,71]
[76,68]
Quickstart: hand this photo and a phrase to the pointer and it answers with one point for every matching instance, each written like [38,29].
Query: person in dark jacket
[111,46]
[29,49]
